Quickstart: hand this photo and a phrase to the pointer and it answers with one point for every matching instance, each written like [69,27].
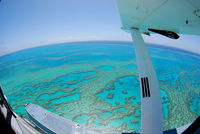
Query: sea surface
[96,83]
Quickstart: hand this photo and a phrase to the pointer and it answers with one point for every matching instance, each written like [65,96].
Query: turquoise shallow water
[122,86]
[96,83]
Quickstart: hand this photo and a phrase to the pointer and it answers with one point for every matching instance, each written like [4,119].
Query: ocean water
[96,83]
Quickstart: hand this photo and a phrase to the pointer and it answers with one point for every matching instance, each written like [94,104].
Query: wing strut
[151,110]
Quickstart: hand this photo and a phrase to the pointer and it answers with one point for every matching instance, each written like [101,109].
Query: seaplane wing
[166,17]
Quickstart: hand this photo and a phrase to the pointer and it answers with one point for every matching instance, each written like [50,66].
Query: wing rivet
[186,21]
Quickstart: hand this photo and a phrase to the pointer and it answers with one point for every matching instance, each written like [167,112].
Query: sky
[31,23]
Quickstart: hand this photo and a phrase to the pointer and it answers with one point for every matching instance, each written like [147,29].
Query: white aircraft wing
[178,16]
[165,17]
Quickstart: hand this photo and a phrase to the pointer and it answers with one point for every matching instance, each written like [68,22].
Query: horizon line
[79,41]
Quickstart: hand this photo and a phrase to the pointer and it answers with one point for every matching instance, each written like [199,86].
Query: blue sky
[30,23]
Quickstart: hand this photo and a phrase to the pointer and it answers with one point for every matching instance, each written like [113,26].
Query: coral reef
[100,87]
